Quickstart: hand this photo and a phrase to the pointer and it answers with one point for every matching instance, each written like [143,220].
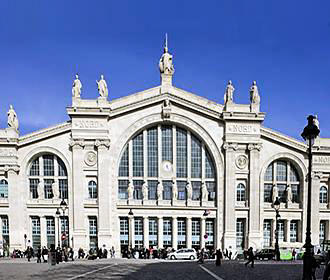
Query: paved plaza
[150,269]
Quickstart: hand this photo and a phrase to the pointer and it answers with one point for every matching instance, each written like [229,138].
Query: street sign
[63,236]
[206,236]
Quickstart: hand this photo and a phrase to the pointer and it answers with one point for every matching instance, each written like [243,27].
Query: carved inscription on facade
[321,159]
[88,124]
[242,129]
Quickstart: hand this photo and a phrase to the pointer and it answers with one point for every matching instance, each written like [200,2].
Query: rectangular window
[138,155]
[293,231]
[196,158]
[167,143]
[63,188]
[152,190]
[295,193]
[61,168]
[195,232]
[34,170]
[34,188]
[281,173]
[167,193]
[322,231]
[36,234]
[50,230]
[64,230]
[267,233]
[153,232]
[123,231]
[293,174]
[209,168]
[5,225]
[138,232]
[152,152]
[3,188]
[181,190]
[167,232]
[122,189]
[211,189]
[123,166]
[209,229]
[181,233]
[268,192]
[281,192]
[93,242]
[196,190]
[181,153]
[48,188]
[269,173]
[137,194]
[240,234]
[281,231]
[48,165]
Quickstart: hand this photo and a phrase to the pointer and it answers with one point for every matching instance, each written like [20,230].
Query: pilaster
[203,231]
[189,232]
[175,233]
[315,214]
[131,233]
[146,232]
[160,232]
[43,231]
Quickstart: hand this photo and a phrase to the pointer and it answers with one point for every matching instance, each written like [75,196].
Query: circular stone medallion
[241,161]
[90,158]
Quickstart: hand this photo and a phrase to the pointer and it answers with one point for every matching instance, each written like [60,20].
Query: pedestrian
[226,253]
[230,254]
[315,265]
[71,253]
[201,258]
[218,257]
[28,253]
[250,257]
[39,255]
[293,254]
[44,254]
[113,252]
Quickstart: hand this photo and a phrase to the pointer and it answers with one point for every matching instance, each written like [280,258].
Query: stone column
[57,230]
[1,237]
[315,207]
[160,232]
[43,231]
[287,230]
[189,232]
[203,231]
[229,201]
[255,236]
[16,196]
[175,233]
[131,233]
[104,193]
[146,232]
[78,185]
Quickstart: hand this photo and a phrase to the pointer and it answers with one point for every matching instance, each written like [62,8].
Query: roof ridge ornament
[166,68]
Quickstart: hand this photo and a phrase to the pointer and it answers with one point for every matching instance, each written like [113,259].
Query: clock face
[167,166]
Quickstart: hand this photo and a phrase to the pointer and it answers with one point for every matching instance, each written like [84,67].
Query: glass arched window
[48,178]
[3,188]
[281,173]
[92,189]
[163,152]
[240,192]
[323,194]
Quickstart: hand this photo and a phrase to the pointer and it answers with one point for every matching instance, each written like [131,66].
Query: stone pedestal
[166,83]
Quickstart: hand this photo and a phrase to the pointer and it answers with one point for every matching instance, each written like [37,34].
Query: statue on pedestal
[228,97]
[12,118]
[275,192]
[189,191]
[145,190]
[130,190]
[166,61]
[40,190]
[166,109]
[102,87]
[205,192]
[289,193]
[174,191]
[76,87]
[254,93]
[160,189]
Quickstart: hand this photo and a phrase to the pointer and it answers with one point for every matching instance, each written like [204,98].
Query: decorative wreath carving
[241,161]
[90,158]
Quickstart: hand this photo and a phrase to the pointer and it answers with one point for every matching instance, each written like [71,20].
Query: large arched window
[281,174]
[240,192]
[3,188]
[323,194]
[160,153]
[48,178]
[92,189]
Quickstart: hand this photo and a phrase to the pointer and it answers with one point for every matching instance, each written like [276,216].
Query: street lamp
[64,206]
[58,214]
[277,205]
[311,131]
[131,228]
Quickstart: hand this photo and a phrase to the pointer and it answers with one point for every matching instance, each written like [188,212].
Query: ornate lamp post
[58,214]
[63,206]
[277,205]
[311,131]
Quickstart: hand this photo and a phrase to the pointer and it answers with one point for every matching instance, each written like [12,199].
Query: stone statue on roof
[102,87]
[254,93]
[166,61]
[228,97]
[12,118]
[76,87]
[145,190]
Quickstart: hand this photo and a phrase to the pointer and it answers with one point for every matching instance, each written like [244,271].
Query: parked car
[183,254]
[268,254]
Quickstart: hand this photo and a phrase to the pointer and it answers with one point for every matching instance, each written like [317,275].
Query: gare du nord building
[159,168]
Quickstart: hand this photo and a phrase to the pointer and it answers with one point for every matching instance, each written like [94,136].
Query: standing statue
[160,189]
[254,93]
[130,190]
[76,87]
[289,193]
[145,190]
[12,118]
[189,190]
[275,192]
[55,191]
[316,122]
[40,190]
[228,97]
[174,190]
[205,192]
[166,61]
[102,87]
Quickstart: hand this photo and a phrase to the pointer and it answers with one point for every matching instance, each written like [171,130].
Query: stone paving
[150,270]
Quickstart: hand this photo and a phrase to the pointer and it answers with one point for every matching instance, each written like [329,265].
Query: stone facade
[83,161]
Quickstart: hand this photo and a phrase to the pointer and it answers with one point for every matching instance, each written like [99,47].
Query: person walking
[293,254]
[218,257]
[201,258]
[28,253]
[250,257]
[39,255]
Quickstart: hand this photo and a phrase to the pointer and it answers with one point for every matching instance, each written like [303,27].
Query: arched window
[240,192]
[323,194]
[48,178]
[92,189]
[160,153]
[3,188]
[280,174]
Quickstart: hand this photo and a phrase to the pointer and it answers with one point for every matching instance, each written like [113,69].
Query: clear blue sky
[284,45]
